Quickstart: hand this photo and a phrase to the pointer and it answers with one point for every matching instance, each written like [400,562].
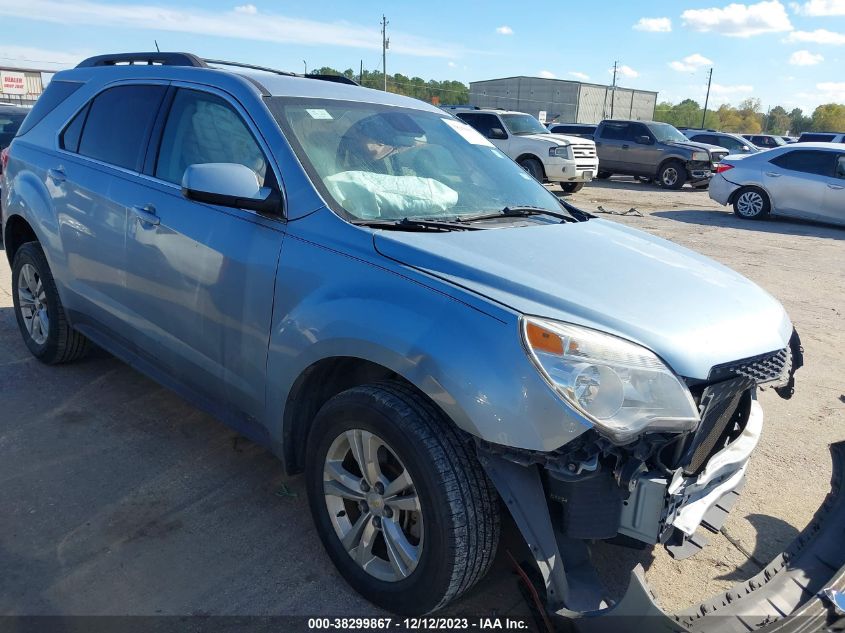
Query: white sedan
[804,180]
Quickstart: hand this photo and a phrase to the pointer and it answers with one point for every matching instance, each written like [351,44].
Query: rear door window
[118,124]
[807,161]
[204,128]
[482,122]
[615,131]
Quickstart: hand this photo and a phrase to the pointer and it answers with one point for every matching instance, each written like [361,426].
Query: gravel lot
[119,498]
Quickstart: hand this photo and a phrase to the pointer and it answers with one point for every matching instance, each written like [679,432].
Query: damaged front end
[657,489]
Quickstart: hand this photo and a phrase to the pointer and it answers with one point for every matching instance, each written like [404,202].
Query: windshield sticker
[467,133]
[318,113]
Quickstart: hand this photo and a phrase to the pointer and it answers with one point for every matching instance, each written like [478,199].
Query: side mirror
[745,148]
[497,133]
[644,140]
[229,185]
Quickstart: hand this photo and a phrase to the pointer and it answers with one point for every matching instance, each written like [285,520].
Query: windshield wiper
[416,224]
[524,211]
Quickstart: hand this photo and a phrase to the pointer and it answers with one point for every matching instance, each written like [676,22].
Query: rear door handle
[56,174]
[626,146]
[773,174]
[832,186]
[146,214]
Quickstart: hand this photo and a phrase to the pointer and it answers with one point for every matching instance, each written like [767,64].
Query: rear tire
[752,203]
[533,167]
[672,175]
[39,312]
[571,187]
[396,432]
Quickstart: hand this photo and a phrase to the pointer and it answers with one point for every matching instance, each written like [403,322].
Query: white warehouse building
[562,100]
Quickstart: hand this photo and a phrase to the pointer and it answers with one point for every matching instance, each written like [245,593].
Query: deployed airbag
[371,195]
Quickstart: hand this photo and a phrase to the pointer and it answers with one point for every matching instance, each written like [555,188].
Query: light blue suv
[366,286]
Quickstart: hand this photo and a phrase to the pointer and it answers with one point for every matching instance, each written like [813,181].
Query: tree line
[432,91]
[749,118]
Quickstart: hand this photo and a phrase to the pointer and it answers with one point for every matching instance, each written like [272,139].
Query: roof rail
[187,59]
[153,58]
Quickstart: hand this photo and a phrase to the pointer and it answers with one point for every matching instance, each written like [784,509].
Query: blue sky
[784,53]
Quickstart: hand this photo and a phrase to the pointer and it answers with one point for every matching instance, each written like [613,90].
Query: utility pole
[707,98]
[385,44]
[613,92]
[361,74]
[306,66]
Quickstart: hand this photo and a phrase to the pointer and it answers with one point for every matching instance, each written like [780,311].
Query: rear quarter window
[57,91]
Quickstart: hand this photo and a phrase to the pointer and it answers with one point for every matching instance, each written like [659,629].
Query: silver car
[805,180]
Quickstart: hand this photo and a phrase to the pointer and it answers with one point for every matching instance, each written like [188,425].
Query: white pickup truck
[570,161]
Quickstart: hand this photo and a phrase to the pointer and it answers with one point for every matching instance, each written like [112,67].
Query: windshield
[665,133]
[521,124]
[373,161]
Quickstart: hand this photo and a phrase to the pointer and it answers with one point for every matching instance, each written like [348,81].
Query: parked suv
[369,288]
[734,143]
[567,160]
[821,137]
[654,150]
[765,141]
[583,130]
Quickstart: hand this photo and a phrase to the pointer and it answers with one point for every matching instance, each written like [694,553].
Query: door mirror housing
[229,185]
[644,140]
[497,133]
[745,148]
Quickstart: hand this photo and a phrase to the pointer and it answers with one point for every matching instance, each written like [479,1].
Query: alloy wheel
[670,176]
[373,505]
[750,204]
[33,304]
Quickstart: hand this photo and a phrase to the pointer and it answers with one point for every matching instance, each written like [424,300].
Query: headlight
[623,388]
[701,156]
[561,151]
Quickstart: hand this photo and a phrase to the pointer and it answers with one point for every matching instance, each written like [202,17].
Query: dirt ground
[119,498]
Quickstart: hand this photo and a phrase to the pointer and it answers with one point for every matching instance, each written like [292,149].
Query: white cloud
[545,74]
[504,30]
[626,71]
[818,8]
[28,57]
[690,63]
[739,20]
[249,9]
[805,58]
[452,64]
[832,91]
[819,36]
[735,90]
[577,75]
[654,25]
[266,27]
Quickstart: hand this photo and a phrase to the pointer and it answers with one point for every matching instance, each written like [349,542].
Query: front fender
[354,303]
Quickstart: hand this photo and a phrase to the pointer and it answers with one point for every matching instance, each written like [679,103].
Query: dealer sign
[12,83]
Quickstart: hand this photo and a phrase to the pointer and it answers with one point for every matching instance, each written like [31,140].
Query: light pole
[306,66]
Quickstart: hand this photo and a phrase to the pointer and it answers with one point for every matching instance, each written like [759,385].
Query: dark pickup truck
[658,151]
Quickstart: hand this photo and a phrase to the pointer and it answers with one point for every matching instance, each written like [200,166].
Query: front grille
[721,411]
[765,368]
[584,151]
[585,167]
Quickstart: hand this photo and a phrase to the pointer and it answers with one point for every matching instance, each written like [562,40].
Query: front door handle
[146,214]
[773,174]
[832,186]
[57,175]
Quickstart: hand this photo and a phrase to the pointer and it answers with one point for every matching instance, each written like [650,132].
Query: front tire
[672,175]
[39,312]
[399,499]
[752,203]
[572,187]
[533,167]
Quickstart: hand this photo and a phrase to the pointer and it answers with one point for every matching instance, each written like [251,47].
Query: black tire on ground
[533,167]
[672,175]
[571,187]
[752,203]
[604,175]
[62,344]
[458,504]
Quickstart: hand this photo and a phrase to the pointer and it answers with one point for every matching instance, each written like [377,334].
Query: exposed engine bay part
[789,586]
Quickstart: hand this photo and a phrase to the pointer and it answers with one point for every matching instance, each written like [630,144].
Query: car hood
[688,309]
[694,145]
